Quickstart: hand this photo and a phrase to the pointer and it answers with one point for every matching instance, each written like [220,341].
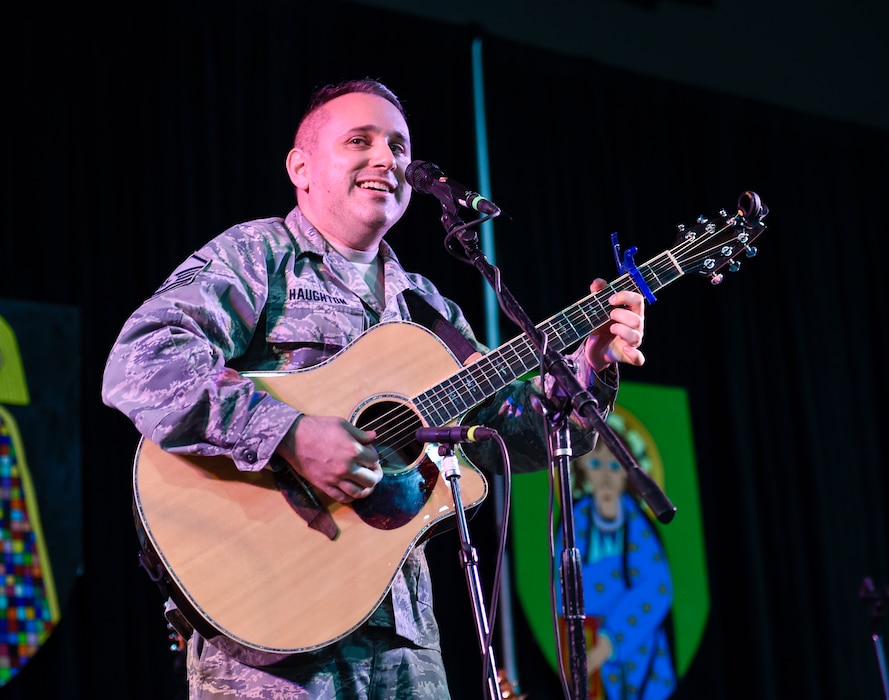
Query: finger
[366,477]
[633,356]
[632,337]
[627,318]
[363,436]
[627,299]
[598,285]
[355,490]
[347,491]
[366,456]
[637,358]
[339,495]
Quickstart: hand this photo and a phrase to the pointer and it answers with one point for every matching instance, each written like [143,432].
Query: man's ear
[298,168]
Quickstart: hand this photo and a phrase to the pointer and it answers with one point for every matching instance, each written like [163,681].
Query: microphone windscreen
[420,175]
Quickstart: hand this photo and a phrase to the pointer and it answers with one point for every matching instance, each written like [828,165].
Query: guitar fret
[561,328]
[654,276]
[486,386]
[598,311]
[460,398]
[451,394]
[668,271]
[528,357]
[471,385]
[500,364]
[588,318]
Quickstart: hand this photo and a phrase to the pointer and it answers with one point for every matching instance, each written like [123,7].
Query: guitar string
[394,429]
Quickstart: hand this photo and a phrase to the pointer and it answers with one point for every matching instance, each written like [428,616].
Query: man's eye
[398,148]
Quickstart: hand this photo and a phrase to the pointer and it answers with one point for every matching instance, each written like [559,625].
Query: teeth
[374,186]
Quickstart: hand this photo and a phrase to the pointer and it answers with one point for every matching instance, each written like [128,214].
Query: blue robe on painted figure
[628,590]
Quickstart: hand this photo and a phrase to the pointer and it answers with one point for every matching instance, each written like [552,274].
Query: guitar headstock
[711,245]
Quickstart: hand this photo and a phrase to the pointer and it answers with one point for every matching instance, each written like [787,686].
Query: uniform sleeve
[167,371]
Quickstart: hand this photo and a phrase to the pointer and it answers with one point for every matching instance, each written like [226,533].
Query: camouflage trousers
[371,664]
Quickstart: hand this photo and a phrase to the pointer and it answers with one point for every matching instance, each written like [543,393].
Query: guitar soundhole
[396,425]
[409,476]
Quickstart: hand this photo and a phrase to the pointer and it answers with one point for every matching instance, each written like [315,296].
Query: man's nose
[383,156]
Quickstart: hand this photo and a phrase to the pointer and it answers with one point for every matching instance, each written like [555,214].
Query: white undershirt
[367,262]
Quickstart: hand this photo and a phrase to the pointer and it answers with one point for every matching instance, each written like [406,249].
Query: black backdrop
[131,139]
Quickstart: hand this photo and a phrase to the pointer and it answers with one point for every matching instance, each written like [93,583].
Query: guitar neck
[473,384]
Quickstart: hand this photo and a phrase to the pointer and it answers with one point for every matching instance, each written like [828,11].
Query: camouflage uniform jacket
[272,294]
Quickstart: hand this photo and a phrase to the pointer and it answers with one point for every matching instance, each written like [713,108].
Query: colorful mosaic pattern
[27,595]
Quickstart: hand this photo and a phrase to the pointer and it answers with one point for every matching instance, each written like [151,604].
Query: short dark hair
[322,95]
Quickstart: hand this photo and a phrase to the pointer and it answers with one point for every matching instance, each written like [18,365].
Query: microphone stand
[584,404]
[450,469]
[878,605]
[570,568]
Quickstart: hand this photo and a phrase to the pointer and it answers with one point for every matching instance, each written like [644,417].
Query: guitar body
[238,556]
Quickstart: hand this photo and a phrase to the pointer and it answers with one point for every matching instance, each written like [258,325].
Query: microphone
[428,178]
[455,434]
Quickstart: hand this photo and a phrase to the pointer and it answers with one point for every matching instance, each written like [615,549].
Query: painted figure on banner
[627,585]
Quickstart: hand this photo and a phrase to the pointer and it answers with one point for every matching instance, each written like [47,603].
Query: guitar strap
[427,315]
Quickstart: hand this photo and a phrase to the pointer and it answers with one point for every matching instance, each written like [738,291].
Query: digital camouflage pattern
[372,664]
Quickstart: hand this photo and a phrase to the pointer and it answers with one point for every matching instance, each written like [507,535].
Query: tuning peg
[716,279]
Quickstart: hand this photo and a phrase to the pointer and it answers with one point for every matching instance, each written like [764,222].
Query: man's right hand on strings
[334,456]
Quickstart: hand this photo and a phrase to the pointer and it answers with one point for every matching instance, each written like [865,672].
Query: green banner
[661,415]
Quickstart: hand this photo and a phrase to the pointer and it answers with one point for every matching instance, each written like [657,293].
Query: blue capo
[630,268]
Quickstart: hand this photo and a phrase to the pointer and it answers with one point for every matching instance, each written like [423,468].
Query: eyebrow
[377,130]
